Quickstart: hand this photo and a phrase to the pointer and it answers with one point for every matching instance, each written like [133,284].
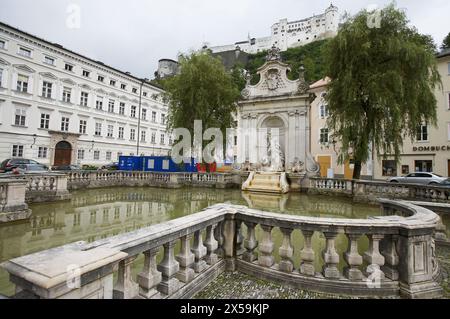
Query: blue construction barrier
[131,163]
[154,164]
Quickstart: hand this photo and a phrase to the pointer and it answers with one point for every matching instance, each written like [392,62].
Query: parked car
[66,168]
[22,164]
[110,167]
[418,178]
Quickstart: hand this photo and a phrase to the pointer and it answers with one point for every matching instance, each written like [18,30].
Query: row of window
[47,87]
[48,60]
[17,152]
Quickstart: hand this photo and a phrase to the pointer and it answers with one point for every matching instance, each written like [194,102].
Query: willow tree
[203,90]
[382,88]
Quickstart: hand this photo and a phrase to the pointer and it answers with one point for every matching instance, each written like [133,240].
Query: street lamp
[139,116]
[34,140]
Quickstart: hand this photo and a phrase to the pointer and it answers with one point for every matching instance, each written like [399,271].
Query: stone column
[330,256]
[125,288]
[307,255]
[292,141]
[186,260]
[286,251]
[150,277]
[266,246]
[303,132]
[199,251]
[211,246]
[169,267]
[250,243]
[353,259]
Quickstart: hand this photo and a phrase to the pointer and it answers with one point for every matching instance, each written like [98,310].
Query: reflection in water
[98,214]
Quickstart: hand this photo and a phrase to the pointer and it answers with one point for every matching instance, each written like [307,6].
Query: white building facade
[58,107]
[285,34]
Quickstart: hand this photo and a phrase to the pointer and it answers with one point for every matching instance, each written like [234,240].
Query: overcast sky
[132,35]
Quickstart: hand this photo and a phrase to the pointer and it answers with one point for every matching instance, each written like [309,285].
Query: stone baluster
[169,267]
[330,256]
[250,243]
[286,251]
[150,277]
[125,287]
[211,246]
[218,234]
[266,246]
[388,248]
[353,259]
[374,258]
[186,260]
[199,251]
[239,239]
[307,254]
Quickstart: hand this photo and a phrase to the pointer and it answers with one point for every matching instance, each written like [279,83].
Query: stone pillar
[291,142]
[353,259]
[150,277]
[211,246]
[330,257]
[125,288]
[229,244]
[286,251]
[169,267]
[199,251]
[417,264]
[250,243]
[186,260]
[307,255]
[266,246]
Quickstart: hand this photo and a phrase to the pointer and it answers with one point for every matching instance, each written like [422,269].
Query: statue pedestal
[267,182]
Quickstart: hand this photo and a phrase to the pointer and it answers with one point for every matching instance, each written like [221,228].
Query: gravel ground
[236,285]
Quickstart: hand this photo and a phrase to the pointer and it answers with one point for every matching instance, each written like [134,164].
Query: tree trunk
[357,170]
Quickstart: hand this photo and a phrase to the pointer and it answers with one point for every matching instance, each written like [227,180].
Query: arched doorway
[63,154]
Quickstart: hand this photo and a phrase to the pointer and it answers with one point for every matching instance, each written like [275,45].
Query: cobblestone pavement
[240,286]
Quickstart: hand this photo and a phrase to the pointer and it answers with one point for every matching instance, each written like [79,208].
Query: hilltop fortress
[285,34]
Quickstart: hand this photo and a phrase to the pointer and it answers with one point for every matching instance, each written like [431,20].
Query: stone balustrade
[98,179]
[398,260]
[12,200]
[43,187]
[369,191]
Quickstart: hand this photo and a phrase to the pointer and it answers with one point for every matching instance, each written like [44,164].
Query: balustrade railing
[398,259]
[371,190]
[96,179]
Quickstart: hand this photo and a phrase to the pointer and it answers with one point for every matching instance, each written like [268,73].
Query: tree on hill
[382,87]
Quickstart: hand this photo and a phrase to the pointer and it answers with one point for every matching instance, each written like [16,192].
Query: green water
[102,213]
